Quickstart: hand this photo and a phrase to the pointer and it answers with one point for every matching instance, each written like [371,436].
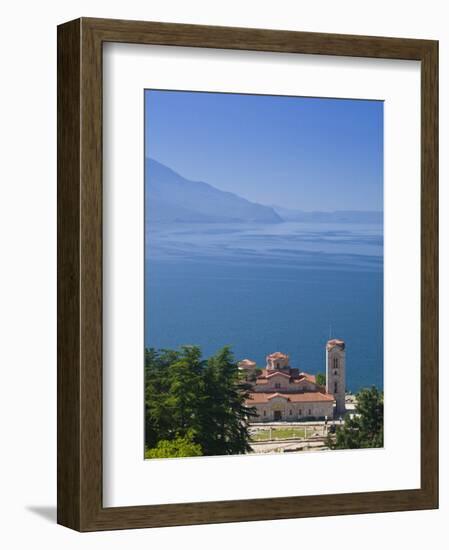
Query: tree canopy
[178,447]
[194,405]
[365,428]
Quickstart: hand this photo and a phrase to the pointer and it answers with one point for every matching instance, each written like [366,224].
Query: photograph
[263,274]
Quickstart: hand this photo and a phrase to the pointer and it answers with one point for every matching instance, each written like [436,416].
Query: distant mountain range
[172,198]
[338,216]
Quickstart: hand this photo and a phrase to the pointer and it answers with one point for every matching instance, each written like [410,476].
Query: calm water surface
[264,288]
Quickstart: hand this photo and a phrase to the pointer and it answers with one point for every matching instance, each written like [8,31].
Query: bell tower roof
[335,343]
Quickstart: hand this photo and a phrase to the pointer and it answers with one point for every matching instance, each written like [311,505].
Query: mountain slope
[171,198]
[338,216]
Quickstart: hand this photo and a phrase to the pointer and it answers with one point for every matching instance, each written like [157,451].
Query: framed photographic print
[247,274]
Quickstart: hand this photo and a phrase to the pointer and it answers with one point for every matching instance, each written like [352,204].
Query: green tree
[178,447]
[320,379]
[224,414]
[158,424]
[365,428]
[186,391]
[204,401]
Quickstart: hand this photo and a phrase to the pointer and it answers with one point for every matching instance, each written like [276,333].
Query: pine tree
[158,424]
[225,415]
[186,391]
[203,401]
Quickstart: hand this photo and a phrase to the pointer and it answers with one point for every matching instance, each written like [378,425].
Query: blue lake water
[264,288]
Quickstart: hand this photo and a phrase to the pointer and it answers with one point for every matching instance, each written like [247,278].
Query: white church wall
[300,411]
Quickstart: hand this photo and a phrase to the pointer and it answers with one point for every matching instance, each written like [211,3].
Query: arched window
[335,362]
[277,385]
[335,387]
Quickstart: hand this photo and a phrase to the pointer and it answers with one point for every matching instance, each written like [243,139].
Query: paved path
[315,437]
[289,446]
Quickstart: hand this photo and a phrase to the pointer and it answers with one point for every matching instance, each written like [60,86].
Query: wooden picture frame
[80,503]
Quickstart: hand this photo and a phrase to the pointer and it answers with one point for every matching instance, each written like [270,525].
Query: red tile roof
[306,397]
[294,375]
[308,377]
[277,373]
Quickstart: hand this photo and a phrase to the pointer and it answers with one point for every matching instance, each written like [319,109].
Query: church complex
[282,393]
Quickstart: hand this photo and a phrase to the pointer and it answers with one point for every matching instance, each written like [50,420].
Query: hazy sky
[305,153]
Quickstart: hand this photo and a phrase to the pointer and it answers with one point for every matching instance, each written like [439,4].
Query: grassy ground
[278,433]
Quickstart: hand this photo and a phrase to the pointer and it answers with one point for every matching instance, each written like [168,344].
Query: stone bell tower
[335,373]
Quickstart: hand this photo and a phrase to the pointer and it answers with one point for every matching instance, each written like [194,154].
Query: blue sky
[304,153]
